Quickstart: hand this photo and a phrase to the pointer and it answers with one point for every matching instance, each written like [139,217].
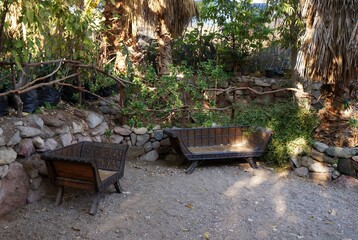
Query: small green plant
[108,133]
[47,105]
[80,106]
[38,110]
[353,122]
[150,127]
[75,96]
[135,122]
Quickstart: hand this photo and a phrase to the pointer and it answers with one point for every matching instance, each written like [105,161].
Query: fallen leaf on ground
[189,205]
[76,229]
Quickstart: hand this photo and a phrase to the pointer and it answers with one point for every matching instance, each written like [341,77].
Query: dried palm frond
[330,45]
[146,15]
[130,21]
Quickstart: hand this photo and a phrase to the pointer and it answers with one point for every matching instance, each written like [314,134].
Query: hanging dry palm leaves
[330,46]
[157,19]
[329,53]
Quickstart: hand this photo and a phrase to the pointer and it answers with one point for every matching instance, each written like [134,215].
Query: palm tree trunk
[2,23]
[164,55]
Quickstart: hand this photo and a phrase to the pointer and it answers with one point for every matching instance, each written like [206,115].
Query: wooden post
[79,84]
[233,106]
[121,96]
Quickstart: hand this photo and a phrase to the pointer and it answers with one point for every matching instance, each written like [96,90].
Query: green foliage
[239,29]
[207,118]
[48,105]
[292,127]
[108,133]
[195,46]
[135,122]
[353,123]
[41,30]
[288,14]
[211,75]
[166,97]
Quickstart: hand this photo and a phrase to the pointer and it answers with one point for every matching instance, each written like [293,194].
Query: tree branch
[84,90]
[230,89]
[28,87]
[117,79]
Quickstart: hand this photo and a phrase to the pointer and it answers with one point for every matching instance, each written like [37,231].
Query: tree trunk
[293,59]
[2,23]
[164,55]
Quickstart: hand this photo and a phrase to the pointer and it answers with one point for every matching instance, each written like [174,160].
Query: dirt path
[215,202]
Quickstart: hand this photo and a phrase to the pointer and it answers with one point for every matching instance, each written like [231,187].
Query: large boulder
[15,186]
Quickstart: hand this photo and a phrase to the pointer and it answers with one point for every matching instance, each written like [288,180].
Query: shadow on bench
[86,165]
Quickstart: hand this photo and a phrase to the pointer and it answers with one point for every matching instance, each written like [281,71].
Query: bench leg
[118,187]
[252,162]
[192,167]
[95,204]
[59,196]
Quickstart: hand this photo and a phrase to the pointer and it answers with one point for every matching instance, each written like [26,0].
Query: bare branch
[26,87]
[230,89]
[84,90]
[49,75]
[117,79]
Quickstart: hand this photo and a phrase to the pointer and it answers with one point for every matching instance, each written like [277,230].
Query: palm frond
[330,45]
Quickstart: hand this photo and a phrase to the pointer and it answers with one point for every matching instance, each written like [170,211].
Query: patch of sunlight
[297,146]
[348,113]
[258,178]
[280,205]
[278,199]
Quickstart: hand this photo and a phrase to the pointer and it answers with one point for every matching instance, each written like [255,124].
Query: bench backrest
[206,137]
[77,165]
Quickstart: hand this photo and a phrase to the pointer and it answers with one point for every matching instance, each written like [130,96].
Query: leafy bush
[173,98]
[292,128]
[227,32]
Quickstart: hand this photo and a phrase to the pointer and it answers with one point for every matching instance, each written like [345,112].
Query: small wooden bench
[202,144]
[86,165]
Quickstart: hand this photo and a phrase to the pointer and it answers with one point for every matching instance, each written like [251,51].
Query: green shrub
[172,98]
[292,127]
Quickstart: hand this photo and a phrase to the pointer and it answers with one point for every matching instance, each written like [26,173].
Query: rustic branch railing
[20,85]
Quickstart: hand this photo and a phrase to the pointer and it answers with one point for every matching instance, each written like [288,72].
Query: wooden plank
[74,170]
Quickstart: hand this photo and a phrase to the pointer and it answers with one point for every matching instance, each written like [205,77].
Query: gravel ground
[217,201]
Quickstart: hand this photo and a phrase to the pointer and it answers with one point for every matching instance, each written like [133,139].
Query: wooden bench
[202,144]
[86,165]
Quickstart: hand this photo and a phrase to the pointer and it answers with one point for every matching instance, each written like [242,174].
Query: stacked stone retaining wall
[22,140]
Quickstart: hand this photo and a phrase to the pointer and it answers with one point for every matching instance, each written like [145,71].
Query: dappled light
[258,178]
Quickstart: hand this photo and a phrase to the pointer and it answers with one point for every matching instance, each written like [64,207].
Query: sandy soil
[218,201]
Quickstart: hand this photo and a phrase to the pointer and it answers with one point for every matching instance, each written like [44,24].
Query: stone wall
[263,85]
[259,85]
[324,163]
[23,140]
